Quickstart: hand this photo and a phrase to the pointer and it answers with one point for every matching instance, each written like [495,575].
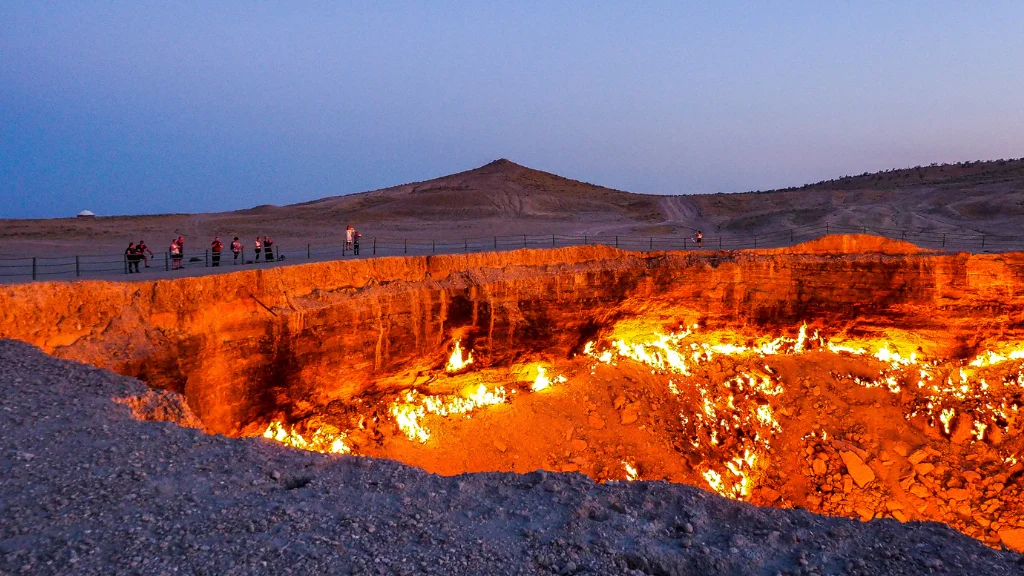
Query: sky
[153,107]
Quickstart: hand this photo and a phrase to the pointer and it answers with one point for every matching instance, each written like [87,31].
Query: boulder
[1013,538]
[859,471]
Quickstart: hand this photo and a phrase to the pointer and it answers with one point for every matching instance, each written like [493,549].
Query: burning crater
[852,376]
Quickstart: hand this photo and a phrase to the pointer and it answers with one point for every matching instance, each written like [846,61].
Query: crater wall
[239,345]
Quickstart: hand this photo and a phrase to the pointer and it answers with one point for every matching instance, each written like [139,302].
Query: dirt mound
[848,244]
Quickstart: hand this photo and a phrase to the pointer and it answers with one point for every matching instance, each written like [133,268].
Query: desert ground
[505,199]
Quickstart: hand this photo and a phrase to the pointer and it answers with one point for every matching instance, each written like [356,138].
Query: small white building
[86,214]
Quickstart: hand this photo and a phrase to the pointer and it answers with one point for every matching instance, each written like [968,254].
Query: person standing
[699,237]
[259,248]
[236,249]
[175,251]
[142,248]
[215,249]
[132,256]
[268,249]
[349,236]
[355,242]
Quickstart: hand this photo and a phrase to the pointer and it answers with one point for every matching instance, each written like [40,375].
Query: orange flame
[320,441]
[542,381]
[456,362]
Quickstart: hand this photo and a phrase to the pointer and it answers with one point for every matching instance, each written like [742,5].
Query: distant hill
[958,174]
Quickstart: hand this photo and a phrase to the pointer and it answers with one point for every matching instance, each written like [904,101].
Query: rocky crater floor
[87,487]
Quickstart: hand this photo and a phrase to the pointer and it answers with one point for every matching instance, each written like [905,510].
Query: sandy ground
[86,488]
[508,200]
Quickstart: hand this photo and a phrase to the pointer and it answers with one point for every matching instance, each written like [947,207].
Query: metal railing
[20,268]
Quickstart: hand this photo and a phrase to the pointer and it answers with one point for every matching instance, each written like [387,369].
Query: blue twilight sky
[141,107]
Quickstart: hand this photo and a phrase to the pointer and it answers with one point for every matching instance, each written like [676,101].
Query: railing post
[524,240]
[903,235]
[78,268]
[755,240]
[465,243]
[585,240]
[495,242]
[374,245]
[616,240]
[552,240]
[433,246]
[167,261]
[719,242]
[34,267]
[651,246]
[405,250]
[826,228]
[982,240]
[943,240]
[684,244]
[309,254]
[206,255]
[791,235]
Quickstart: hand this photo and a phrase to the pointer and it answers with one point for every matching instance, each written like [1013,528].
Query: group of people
[140,253]
[263,247]
[266,246]
[136,253]
[352,237]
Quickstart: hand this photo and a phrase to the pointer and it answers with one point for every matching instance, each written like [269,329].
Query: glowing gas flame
[412,407]
[989,358]
[456,362]
[320,440]
[631,471]
[542,381]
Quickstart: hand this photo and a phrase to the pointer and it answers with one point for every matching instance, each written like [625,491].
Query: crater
[852,376]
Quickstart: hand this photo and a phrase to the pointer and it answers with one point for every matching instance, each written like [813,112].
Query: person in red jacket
[215,249]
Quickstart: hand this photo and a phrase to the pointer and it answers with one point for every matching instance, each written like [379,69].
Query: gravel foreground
[86,488]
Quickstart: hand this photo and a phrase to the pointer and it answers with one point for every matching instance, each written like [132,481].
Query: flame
[413,406]
[989,358]
[631,471]
[320,441]
[543,381]
[456,362]
[946,417]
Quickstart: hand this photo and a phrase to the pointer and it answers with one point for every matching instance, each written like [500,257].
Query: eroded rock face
[242,344]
